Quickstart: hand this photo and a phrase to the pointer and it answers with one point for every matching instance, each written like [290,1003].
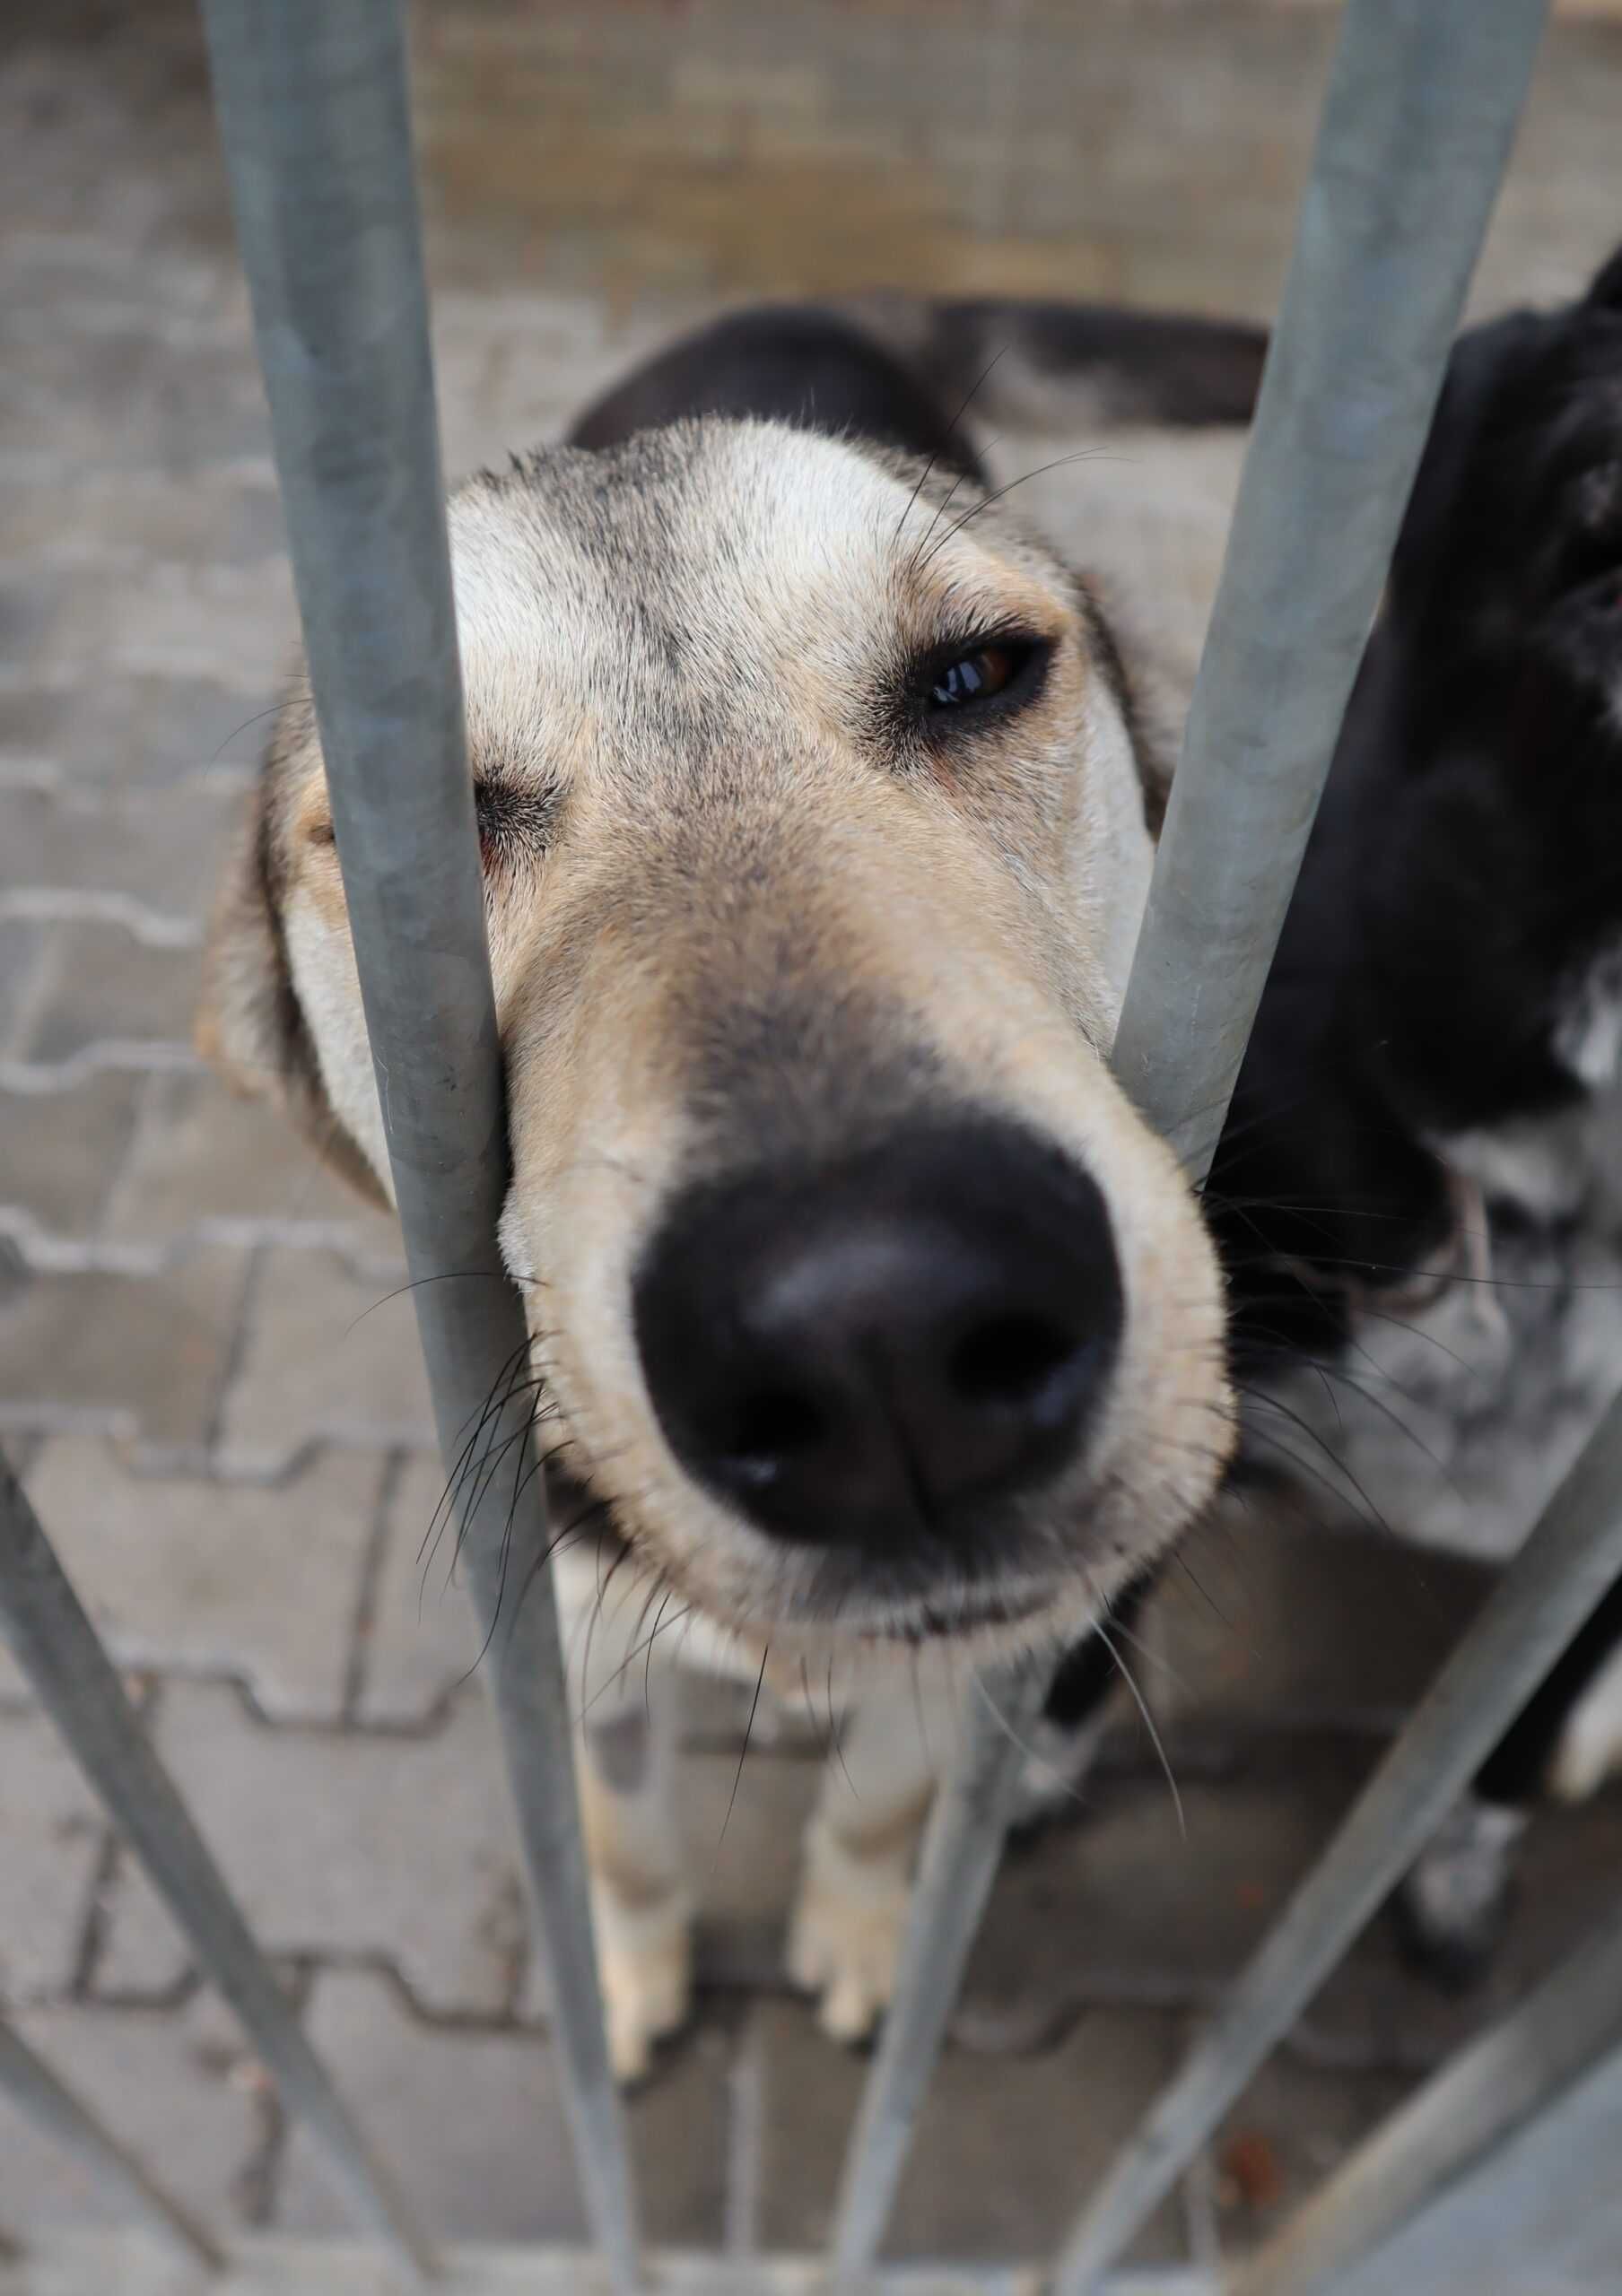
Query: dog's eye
[991,674]
[515,824]
[976,677]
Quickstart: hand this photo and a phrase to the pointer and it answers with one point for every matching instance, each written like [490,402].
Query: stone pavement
[215,1397]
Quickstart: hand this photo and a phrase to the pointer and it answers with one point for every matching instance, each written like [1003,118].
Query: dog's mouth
[951,1617]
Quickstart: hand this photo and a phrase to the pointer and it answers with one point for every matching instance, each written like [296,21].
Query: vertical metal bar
[1573,1556]
[1462,2115]
[36,2089]
[44,1624]
[1417,122]
[313,102]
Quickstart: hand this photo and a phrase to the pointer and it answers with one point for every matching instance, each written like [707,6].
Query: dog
[881,1341]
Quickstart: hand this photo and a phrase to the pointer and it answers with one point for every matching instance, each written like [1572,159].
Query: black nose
[876,1350]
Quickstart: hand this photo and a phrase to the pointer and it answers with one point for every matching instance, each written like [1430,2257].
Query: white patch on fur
[1589,1039]
[1456,1889]
[1453,1428]
[1590,1744]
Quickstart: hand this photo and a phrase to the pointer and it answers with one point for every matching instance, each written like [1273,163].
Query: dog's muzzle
[883,1349]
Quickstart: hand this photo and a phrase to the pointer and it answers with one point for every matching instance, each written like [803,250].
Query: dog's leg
[860,1848]
[639,1901]
[1563,1744]
[625,1735]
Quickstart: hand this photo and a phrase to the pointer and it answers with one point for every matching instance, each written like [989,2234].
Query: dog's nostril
[771,1427]
[1012,1360]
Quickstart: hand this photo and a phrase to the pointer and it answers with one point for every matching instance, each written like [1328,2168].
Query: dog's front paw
[845,1938]
[646,1962]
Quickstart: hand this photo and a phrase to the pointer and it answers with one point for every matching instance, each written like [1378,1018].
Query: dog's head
[1486,727]
[814,852]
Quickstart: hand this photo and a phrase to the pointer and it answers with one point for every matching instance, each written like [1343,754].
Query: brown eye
[975,677]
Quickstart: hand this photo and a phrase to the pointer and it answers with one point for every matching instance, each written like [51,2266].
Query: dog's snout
[875,1351]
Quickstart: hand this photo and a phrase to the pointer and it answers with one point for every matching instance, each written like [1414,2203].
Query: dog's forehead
[699,562]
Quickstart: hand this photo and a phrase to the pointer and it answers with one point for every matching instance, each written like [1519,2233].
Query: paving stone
[421,1640]
[60,1150]
[145,1357]
[204,1154]
[1119,1907]
[1263,1625]
[1123,1904]
[179,2088]
[343,1847]
[51,1832]
[473,2121]
[133,517]
[21,946]
[105,987]
[126,730]
[1292,2127]
[1004,2151]
[162,851]
[184,1576]
[330,1354]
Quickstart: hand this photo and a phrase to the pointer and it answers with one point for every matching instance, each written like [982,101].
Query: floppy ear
[249,1025]
[1607,289]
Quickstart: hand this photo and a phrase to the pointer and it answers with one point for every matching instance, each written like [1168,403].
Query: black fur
[806,367]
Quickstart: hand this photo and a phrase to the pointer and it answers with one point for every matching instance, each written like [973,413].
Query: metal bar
[1417,121]
[313,100]
[1461,2116]
[79,2264]
[44,1624]
[32,2085]
[1542,2211]
[1573,1557]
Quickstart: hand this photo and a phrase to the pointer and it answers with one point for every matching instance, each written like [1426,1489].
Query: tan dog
[815,811]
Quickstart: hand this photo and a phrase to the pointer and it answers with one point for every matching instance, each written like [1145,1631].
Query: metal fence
[1417,121]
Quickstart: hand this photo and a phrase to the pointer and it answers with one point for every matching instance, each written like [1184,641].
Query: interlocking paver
[474,2122]
[59,1152]
[21,942]
[104,986]
[144,1357]
[126,730]
[51,1833]
[179,2090]
[330,1354]
[1293,2127]
[1004,2149]
[186,1575]
[345,1847]
[1263,1626]
[205,1156]
[160,852]
[420,1640]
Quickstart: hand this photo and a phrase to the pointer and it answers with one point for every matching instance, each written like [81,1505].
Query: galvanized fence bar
[43,1622]
[31,2083]
[313,102]
[1459,2119]
[1573,1556]
[1540,2213]
[1417,122]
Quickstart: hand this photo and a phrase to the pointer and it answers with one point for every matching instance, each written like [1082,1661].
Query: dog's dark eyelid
[513,822]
